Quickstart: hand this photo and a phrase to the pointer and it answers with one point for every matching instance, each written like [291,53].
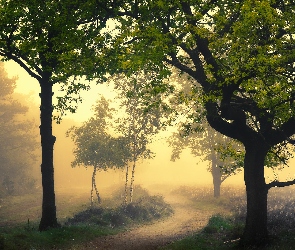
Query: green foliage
[60,42]
[244,79]
[216,224]
[94,144]
[140,121]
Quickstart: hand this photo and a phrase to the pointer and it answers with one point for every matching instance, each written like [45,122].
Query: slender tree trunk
[126,185]
[94,185]
[48,219]
[91,192]
[132,180]
[255,232]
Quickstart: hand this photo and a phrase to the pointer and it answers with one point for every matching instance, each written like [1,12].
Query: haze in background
[189,170]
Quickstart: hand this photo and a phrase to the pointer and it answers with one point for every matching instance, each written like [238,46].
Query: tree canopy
[95,145]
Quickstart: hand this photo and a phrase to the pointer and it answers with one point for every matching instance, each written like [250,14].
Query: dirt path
[184,222]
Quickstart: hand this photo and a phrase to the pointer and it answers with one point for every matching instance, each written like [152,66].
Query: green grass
[22,238]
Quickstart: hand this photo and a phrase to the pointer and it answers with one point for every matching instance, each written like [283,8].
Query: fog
[188,170]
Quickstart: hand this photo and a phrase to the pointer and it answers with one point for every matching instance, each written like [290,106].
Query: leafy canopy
[95,146]
[241,53]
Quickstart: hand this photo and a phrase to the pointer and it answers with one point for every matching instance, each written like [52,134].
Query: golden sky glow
[188,170]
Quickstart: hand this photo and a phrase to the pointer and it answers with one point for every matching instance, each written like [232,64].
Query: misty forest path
[186,220]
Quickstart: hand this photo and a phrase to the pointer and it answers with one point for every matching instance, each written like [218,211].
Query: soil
[186,220]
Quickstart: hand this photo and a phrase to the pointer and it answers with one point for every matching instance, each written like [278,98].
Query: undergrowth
[144,209]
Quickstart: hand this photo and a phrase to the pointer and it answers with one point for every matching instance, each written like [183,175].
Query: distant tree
[54,42]
[96,147]
[139,124]
[209,145]
[18,140]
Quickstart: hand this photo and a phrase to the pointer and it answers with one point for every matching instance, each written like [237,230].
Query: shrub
[145,208]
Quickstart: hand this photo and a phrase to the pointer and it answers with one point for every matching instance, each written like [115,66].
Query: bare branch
[280,184]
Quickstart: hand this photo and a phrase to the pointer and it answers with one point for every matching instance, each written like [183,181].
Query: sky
[188,170]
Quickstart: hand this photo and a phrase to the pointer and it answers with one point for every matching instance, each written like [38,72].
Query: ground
[186,220]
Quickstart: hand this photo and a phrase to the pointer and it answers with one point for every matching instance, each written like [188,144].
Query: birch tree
[96,147]
[139,124]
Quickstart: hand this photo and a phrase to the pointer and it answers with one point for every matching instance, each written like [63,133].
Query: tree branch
[235,130]
[280,184]
[22,64]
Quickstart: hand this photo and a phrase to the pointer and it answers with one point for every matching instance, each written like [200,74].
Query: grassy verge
[109,218]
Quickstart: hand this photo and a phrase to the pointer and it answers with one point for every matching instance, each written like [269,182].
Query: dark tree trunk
[48,219]
[255,232]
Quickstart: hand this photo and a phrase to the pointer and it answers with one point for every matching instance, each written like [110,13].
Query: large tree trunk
[255,232]
[48,219]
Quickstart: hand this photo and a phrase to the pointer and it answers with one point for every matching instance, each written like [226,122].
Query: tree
[224,154]
[53,41]
[242,55]
[96,147]
[18,143]
[211,145]
[139,124]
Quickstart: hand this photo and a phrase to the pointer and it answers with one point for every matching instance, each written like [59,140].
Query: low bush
[144,209]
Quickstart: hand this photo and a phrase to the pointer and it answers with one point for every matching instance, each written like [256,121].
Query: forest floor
[186,220]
